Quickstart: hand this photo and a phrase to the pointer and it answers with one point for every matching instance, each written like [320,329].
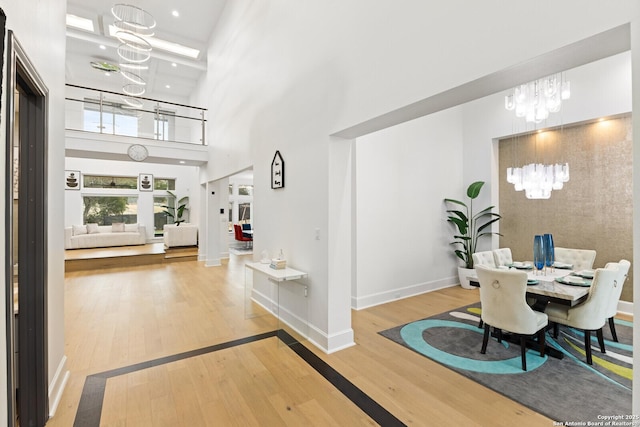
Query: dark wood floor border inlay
[346,387]
[90,406]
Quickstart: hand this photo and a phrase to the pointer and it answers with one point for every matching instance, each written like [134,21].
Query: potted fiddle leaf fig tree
[470,226]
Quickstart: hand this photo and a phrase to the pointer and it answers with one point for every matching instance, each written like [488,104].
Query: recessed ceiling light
[107,74]
[165,45]
[103,47]
[173,64]
[80,23]
[182,162]
[175,13]
[167,86]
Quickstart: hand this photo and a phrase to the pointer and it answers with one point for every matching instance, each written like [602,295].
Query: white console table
[278,278]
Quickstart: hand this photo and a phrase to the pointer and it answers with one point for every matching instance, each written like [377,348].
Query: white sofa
[184,234]
[100,236]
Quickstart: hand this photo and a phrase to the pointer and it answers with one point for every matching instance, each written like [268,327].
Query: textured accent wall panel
[592,211]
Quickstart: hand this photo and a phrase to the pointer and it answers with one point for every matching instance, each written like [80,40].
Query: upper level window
[164,184]
[111,182]
[163,125]
[115,119]
[245,190]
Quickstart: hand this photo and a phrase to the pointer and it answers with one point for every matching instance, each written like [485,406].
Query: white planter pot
[463,276]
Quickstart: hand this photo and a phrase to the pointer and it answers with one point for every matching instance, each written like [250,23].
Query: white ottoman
[180,235]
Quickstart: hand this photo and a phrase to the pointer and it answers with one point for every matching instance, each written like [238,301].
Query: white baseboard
[625,307]
[328,344]
[213,262]
[56,388]
[359,303]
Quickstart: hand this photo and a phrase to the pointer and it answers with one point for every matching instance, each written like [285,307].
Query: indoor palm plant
[177,212]
[470,227]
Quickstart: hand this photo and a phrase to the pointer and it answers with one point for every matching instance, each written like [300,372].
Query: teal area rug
[566,390]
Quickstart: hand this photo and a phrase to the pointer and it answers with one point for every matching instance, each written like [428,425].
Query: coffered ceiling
[171,76]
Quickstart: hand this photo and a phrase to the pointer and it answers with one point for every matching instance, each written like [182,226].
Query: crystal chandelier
[133,26]
[538,180]
[535,100]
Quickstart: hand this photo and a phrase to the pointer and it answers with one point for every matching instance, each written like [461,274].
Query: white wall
[402,170]
[403,175]
[285,75]
[186,185]
[34,22]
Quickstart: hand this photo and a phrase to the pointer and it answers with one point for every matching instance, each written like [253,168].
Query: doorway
[26,242]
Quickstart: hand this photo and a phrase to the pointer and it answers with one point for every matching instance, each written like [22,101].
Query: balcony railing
[113,113]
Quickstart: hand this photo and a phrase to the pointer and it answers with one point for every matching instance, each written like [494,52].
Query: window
[244,212]
[105,210]
[111,182]
[164,184]
[115,119]
[245,190]
[230,189]
[163,124]
[230,216]
[160,217]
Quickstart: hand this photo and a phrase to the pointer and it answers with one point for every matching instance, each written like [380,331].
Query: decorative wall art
[277,171]
[145,182]
[72,180]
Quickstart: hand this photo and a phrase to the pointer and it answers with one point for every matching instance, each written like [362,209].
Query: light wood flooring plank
[123,316]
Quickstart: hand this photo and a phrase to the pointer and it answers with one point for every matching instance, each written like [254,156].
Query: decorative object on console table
[277,171]
[470,227]
[71,180]
[145,182]
[279,263]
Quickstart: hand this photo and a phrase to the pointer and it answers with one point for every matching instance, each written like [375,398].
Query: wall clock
[138,152]
[277,171]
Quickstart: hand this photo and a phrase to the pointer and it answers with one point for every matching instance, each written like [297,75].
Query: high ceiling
[193,28]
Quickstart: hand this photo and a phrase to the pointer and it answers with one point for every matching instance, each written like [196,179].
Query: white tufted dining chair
[502,256]
[502,297]
[612,309]
[484,258]
[580,259]
[591,315]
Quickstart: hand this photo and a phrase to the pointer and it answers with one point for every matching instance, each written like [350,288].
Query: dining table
[543,285]
[565,292]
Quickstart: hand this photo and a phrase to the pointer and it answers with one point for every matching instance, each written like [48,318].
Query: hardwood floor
[115,318]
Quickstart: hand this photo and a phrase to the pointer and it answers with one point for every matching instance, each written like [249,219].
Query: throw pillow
[131,228]
[92,228]
[117,227]
[79,229]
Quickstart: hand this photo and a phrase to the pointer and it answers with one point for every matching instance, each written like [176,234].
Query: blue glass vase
[538,252]
[550,257]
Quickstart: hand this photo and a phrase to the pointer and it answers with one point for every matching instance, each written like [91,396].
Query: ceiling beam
[599,46]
